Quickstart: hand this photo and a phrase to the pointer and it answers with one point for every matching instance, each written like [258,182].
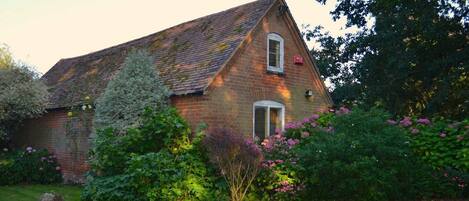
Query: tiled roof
[187,56]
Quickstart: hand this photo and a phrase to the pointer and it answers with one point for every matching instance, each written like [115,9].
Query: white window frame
[276,37]
[267,104]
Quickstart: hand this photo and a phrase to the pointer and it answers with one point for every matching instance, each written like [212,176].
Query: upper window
[275,52]
[268,118]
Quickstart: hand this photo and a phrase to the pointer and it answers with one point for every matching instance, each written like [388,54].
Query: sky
[41,32]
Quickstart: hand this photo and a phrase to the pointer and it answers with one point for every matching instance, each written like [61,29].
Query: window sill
[278,73]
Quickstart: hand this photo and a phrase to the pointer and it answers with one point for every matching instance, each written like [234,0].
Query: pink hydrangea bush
[442,143]
[278,179]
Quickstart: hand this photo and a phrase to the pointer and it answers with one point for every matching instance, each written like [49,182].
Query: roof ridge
[124,44]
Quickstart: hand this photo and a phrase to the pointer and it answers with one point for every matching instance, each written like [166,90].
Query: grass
[34,192]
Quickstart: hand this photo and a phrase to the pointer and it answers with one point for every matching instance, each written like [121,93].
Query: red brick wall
[49,132]
[229,100]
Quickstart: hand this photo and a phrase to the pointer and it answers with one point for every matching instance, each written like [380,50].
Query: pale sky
[40,32]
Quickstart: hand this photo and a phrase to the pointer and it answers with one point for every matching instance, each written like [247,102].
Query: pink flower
[278,130]
[305,134]
[442,134]
[292,142]
[391,122]
[414,131]
[406,122]
[424,121]
[342,110]
[314,124]
[305,120]
[279,161]
[314,116]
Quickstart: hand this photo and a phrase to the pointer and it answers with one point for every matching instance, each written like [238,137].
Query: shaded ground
[33,192]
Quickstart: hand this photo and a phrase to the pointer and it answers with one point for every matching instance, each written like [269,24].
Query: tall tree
[134,88]
[409,56]
[22,95]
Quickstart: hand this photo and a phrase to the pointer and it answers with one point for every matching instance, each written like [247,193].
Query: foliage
[22,95]
[237,159]
[440,142]
[29,166]
[358,156]
[160,129]
[6,59]
[155,161]
[134,88]
[410,57]
[278,179]
[444,145]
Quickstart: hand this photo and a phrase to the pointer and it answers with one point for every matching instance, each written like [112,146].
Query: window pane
[260,122]
[274,53]
[275,122]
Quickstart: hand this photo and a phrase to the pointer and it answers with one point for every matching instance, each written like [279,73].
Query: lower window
[268,118]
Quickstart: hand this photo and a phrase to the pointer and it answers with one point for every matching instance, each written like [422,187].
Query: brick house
[246,68]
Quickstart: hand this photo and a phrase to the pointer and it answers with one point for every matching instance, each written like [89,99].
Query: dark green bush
[28,166]
[358,156]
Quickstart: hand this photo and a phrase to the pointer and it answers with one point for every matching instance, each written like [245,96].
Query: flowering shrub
[278,179]
[357,155]
[440,142]
[28,166]
[443,144]
[237,158]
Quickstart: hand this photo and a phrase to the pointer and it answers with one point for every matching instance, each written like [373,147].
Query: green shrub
[441,142]
[155,161]
[358,156]
[111,188]
[444,145]
[30,166]
[160,129]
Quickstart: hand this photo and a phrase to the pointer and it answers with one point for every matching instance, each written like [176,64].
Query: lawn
[33,192]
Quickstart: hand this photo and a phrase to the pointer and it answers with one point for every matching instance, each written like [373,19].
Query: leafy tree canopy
[22,94]
[410,57]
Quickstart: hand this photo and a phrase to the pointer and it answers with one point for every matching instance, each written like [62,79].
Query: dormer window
[275,53]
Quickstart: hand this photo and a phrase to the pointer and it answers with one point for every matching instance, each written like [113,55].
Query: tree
[410,57]
[134,88]
[22,95]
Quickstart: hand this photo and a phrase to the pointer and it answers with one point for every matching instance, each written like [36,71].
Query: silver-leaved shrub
[134,88]
[22,95]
